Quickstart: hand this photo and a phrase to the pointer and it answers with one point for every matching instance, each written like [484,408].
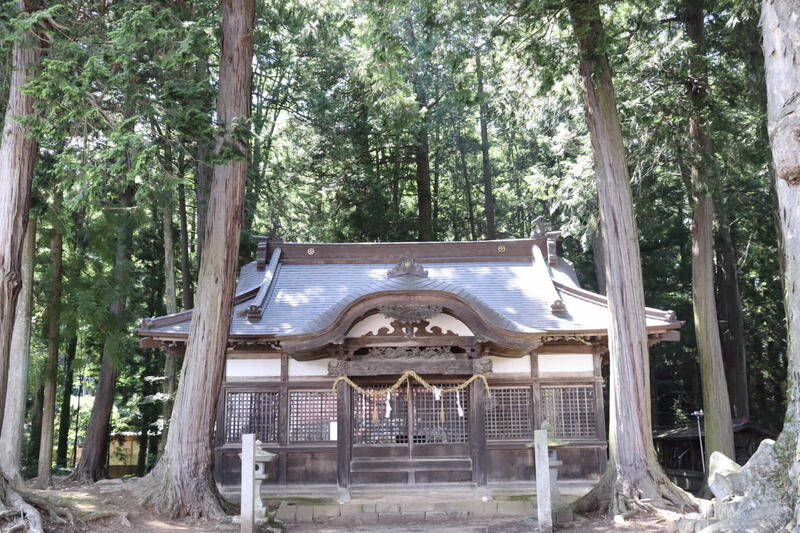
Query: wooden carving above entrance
[409,330]
[378,367]
[414,352]
[409,312]
[469,323]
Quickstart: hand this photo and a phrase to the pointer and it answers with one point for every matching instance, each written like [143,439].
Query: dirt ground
[111,507]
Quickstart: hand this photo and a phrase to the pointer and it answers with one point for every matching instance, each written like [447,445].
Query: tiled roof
[300,298]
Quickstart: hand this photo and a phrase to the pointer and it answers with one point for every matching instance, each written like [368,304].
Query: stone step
[405,512]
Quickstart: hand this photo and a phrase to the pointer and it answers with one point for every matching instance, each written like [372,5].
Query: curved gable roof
[299,297]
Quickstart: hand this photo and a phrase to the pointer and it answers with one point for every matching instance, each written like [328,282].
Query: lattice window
[370,423]
[312,416]
[430,426]
[251,412]
[509,414]
[570,410]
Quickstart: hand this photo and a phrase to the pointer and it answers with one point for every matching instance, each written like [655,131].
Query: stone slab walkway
[408,512]
[486,525]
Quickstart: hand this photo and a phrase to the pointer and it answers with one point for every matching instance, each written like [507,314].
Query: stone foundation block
[305,513]
[417,507]
[436,516]
[387,508]
[390,518]
[325,512]
[286,512]
[515,508]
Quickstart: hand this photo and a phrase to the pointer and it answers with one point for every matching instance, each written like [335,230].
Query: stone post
[248,483]
[544,508]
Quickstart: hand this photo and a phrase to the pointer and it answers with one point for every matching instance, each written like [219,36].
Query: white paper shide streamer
[458,404]
[388,405]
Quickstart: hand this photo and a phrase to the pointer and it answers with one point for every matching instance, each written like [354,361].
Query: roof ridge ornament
[541,227]
[550,237]
[407,266]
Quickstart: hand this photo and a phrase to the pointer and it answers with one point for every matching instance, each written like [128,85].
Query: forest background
[433,120]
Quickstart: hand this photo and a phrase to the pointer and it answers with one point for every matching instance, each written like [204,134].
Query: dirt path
[89,503]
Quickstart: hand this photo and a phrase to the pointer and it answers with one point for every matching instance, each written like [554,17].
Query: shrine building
[308,315]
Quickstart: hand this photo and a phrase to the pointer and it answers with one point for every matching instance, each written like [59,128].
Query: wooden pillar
[477,433]
[283,422]
[344,435]
[600,410]
[536,391]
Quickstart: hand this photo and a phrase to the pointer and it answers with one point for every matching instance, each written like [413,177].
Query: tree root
[618,495]
[173,492]
[622,517]
[31,518]
[102,515]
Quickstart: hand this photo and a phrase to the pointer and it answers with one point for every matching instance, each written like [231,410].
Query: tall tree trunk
[182,483]
[731,319]
[91,467]
[32,451]
[462,159]
[187,296]
[633,470]
[66,395]
[203,174]
[17,153]
[599,255]
[772,495]
[716,405]
[172,307]
[16,394]
[50,376]
[435,215]
[424,197]
[488,194]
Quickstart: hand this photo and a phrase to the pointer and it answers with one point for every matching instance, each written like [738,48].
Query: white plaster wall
[511,365]
[252,368]
[318,367]
[566,363]
[377,321]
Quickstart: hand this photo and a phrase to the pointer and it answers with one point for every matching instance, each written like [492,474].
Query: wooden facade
[511,311]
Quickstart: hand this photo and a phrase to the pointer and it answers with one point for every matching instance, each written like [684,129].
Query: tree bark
[422,159]
[488,194]
[599,255]
[462,159]
[731,321]
[64,417]
[172,307]
[772,481]
[182,483]
[187,296]
[91,467]
[716,405]
[203,175]
[16,394]
[17,154]
[50,376]
[633,471]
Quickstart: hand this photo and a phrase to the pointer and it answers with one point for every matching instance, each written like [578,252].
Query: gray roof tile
[308,297]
